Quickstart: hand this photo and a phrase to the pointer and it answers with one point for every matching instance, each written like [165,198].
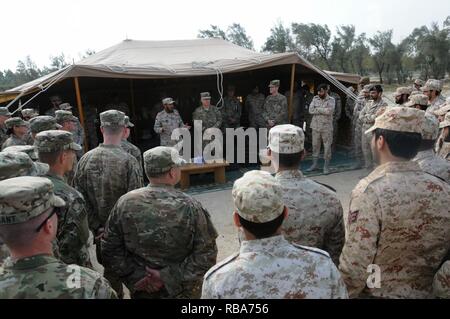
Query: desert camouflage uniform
[399,220]
[276,109]
[436,104]
[274,268]
[441,282]
[231,112]
[254,104]
[12,141]
[169,122]
[336,115]
[367,118]
[443,150]
[357,126]
[315,214]
[322,125]
[432,164]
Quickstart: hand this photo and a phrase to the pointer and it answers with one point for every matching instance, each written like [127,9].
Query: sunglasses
[55,210]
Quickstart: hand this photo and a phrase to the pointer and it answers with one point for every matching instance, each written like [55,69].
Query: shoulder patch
[327,186]
[312,249]
[224,262]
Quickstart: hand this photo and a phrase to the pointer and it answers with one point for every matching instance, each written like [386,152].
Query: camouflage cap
[15,121]
[29,113]
[30,150]
[112,118]
[430,127]
[23,198]
[64,116]
[418,99]
[128,122]
[4,111]
[400,119]
[54,141]
[366,88]
[258,197]
[43,123]
[419,82]
[161,159]
[65,107]
[274,83]
[432,85]
[14,164]
[286,139]
[205,96]
[446,121]
[364,81]
[168,100]
[415,93]
[402,90]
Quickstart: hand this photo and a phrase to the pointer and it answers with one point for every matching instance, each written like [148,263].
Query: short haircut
[155,175]
[377,88]
[427,144]
[401,144]
[322,86]
[49,158]
[289,160]
[22,234]
[262,230]
[113,130]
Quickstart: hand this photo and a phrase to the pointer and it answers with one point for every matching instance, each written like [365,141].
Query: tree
[279,41]
[342,47]
[381,43]
[214,32]
[237,35]
[360,55]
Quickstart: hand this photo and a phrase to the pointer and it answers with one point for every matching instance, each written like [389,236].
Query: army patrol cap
[65,107]
[402,90]
[258,197]
[112,118]
[64,116]
[364,81]
[446,121]
[54,141]
[274,83]
[430,127]
[43,123]
[128,122]
[400,119]
[415,93]
[15,121]
[169,100]
[29,113]
[23,198]
[419,82]
[14,164]
[286,139]
[366,88]
[420,99]
[30,150]
[432,85]
[161,159]
[205,96]
[4,111]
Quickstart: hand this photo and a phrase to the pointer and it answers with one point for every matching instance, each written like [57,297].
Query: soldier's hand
[145,284]
[99,234]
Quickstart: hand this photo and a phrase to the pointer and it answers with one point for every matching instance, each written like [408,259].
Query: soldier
[167,121]
[30,150]
[315,213]
[78,132]
[173,245]
[418,101]
[28,225]
[441,282]
[363,82]
[444,109]
[207,113]
[401,95]
[298,105]
[28,114]
[417,85]
[55,101]
[322,109]
[43,123]
[367,117]
[275,109]
[254,103]
[267,265]
[360,102]
[58,150]
[426,158]
[398,225]
[433,89]
[17,131]
[336,116]
[4,115]
[443,143]
[103,175]
[129,147]
[231,110]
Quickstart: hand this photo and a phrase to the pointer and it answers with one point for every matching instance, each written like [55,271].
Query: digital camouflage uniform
[133,150]
[270,267]
[165,124]
[210,117]
[43,123]
[398,220]
[254,104]
[357,126]
[30,150]
[441,282]
[162,228]
[3,137]
[41,276]
[231,112]
[276,109]
[322,111]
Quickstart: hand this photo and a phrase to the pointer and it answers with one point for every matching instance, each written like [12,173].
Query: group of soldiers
[296,240]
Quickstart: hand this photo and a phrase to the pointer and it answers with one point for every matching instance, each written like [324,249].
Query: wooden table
[192,169]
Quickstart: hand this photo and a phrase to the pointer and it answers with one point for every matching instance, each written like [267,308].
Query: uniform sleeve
[158,125]
[187,275]
[135,178]
[265,114]
[441,282]
[208,291]
[338,288]
[312,107]
[335,236]
[283,117]
[361,245]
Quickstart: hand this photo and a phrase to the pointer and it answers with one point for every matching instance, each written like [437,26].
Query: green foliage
[235,34]
[279,41]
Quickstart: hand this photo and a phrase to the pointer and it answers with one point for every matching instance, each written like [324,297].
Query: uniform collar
[53,175]
[289,174]
[160,186]
[423,155]
[250,246]
[32,262]
[108,146]
[396,167]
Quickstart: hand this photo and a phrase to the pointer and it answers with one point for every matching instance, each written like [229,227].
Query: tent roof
[169,59]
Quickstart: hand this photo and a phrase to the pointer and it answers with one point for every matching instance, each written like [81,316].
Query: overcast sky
[48,27]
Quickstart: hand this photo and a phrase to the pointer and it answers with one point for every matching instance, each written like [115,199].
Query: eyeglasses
[54,211]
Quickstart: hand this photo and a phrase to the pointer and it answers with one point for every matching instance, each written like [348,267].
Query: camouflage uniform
[43,123]
[254,103]
[41,276]
[162,228]
[270,267]
[73,230]
[30,150]
[169,122]
[443,148]
[13,141]
[398,220]
[336,115]
[441,282]
[78,135]
[3,137]
[322,111]
[133,150]
[434,85]
[210,117]
[357,126]
[276,109]
[367,118]
[231,112]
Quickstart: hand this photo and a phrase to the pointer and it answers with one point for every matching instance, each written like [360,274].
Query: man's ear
[102,130]
[380,142]
[62,157]
[236,220]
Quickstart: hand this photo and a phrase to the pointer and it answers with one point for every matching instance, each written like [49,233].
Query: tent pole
[291,94]
[133,110]
[80,111]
